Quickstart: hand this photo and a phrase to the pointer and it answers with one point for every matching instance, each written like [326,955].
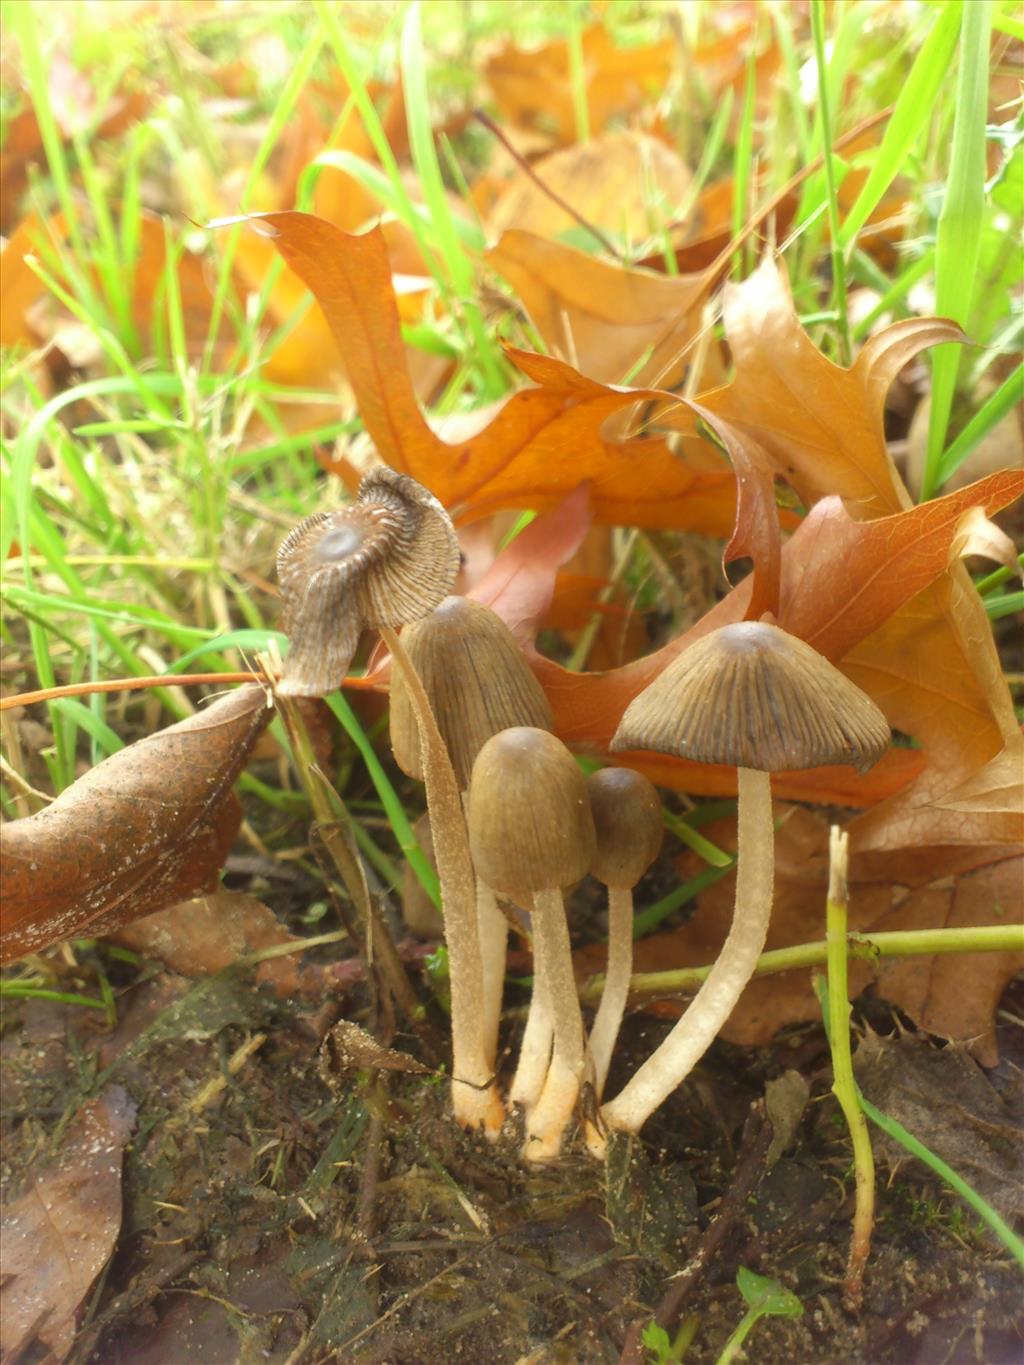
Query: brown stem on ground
[750,1167]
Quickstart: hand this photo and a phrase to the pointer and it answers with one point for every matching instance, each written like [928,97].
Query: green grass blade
[389,798]
[958,239]
[997,406]
[910,115]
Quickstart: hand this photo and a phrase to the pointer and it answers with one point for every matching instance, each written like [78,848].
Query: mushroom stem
[492,930]
[673,1061]
[475,1099]
[535,1049]
[608,1019]
[548,1119]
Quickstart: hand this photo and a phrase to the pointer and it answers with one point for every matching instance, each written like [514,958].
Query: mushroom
[627,821]
[383,560]
[752,695]
[478,683]
[531,833]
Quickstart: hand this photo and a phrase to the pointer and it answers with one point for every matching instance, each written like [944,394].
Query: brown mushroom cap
[627,821]
[384,560]
[477,682]
[530,827]
[753,696]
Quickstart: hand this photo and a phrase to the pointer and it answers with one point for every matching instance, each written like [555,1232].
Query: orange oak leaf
[538,445]
[842,582]
[148,826]
[821,427]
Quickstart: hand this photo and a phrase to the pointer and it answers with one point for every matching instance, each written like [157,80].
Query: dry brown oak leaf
[60,1231]
[148,826]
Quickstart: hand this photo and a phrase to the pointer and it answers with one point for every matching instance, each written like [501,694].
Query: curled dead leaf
[148,826]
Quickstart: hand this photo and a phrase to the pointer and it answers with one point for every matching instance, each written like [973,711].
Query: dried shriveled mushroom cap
[627,820]
[753,696]
[530,826]
[476,678]
[384,560]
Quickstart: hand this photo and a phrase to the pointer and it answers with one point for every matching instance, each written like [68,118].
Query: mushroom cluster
[513,820]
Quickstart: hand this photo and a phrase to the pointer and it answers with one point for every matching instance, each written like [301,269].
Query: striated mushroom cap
[753,696]
[627,820]
[385,559]
[530,827]
[477,682]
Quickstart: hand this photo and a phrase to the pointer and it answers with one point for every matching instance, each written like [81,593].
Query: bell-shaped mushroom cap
[385,559]
[476,679]
[753,696]
[627,821]
[530,827]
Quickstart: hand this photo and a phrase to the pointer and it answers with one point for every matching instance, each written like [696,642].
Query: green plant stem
[838,259]
[986,938]
[695,841]
[1013,1244]
[844,1087]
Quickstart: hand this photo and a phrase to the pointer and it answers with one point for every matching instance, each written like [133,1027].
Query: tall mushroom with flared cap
[751,695]
[532,833]
[383,561]
[478,683]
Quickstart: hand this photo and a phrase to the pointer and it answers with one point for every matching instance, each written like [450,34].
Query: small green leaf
[767,1296]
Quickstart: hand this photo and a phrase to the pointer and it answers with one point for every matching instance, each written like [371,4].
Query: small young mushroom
[383,560]
[478,683]
[627,820]
[752,695]
[531,833]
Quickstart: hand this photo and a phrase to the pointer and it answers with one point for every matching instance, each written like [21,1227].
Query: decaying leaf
[973,1129]
[149,826]
[58,1234]
[204,935]
[349,1047]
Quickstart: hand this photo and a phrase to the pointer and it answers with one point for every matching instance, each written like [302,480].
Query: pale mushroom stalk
[531,832]
[477,683]
[608,1019]
[629,830]
[492,931]
[547,1120]
[475,1098]
[691,1037]
[535,1048]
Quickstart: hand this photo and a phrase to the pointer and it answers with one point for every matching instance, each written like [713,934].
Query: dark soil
[302,1214]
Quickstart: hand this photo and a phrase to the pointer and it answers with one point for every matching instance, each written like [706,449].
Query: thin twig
[555,198]
[85,689]
[750,1167]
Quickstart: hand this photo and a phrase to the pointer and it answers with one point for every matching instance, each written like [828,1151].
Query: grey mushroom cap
[753,696]
[385,559]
